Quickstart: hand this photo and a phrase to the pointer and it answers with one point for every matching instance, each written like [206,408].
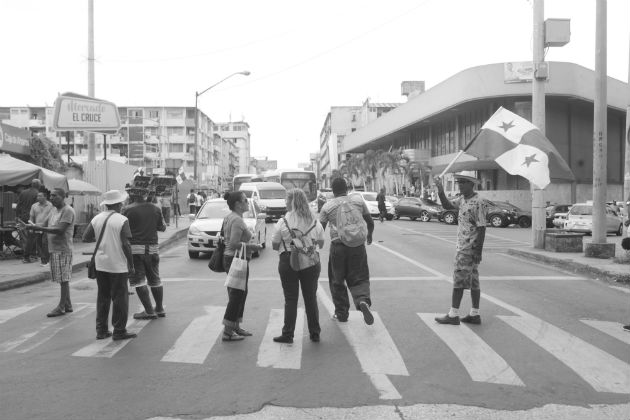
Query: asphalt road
[548,339]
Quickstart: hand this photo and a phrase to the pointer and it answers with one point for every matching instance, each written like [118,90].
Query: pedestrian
[471,231]
[60,229]
[311,235]
[25,201]
[145,220]
[382,209]
[165,202]
[40,211]
[201,198]
[114,263]
[191,199]
[351,227]
[236,233]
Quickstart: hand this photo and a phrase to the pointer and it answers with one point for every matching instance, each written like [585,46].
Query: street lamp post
[197,95]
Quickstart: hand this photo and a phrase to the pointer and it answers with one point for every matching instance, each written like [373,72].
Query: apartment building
[238,133]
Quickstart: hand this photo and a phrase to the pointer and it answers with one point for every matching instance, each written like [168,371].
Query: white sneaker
[44,265]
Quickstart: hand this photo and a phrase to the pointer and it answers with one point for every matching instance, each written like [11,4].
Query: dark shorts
[147,268]
[465,275]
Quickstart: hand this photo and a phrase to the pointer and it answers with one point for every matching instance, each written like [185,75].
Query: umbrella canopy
[18,172]
[78,187]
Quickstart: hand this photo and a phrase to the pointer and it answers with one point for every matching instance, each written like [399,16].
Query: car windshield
[583,210]
[214,210]
[271,194]
[248,193]
[369,196]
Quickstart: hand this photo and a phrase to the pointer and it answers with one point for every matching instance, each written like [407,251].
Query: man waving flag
[520,148]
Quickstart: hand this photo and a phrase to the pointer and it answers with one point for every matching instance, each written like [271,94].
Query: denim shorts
[147,268]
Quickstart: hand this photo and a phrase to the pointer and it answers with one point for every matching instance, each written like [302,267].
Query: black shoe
[103,335]
[283,339]
[340,318]
[55,312]
[315,337]
[448,320]
[367,314]
[626,327]
[124,336]
[69,309]
[471,319]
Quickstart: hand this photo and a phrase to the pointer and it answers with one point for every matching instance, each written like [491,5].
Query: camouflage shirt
[471,220]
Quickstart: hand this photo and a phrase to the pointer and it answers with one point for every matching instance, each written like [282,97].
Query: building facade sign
[14,140]
[78,112]
[518,72]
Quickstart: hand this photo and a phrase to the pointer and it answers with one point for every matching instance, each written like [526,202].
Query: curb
[573,266]
[80,265]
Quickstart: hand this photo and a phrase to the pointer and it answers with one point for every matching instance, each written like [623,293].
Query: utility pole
[91,140]
[538,119]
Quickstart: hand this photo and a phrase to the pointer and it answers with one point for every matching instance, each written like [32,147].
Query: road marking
[482,363]
[541,265]
[411,261]
[197,340]
[109,347]
[623,289]
[373,346]
[396,278]
[11,344]
[605,373]
[613,329]
[7,314]
[279,355]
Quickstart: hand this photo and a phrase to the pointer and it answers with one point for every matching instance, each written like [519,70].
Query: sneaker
[242,332]
[55,312]
[144,315]
[626,327]
[283,339]
[340,318]
[26,261]
[124,336]
[471,319]
[231,336]
[44,265]
[367,314]
[448,320]
[103,335]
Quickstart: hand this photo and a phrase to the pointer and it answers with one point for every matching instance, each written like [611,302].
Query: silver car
[580,219]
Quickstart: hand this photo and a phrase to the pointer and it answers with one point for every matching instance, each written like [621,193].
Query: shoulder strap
[289,227]
[311,228]
[100,237]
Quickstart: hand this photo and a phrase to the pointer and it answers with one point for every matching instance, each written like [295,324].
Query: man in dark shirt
[382,208]
[25,201]
[145,220]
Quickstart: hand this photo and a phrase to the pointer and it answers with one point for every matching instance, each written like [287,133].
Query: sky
[304,56]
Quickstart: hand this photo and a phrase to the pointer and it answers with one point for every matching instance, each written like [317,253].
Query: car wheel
[396,216]
[525,222]
[497,221]
[425,216]
[193,254]
[449,218]
[413,219]
[620,230]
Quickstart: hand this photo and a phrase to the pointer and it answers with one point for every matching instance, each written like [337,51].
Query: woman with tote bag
[237,238]
[297,237]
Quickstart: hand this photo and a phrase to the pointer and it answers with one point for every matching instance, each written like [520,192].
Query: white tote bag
[237,276]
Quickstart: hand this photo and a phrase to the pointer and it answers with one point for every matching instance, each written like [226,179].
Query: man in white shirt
[40,211]
[114,262]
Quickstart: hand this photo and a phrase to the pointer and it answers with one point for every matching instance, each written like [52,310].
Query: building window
[174,114]
[354,129]
[134,113]
[176,148]
[154,114]
[175,131]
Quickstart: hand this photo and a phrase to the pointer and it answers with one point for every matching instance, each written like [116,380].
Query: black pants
[348,266]
[291,281]
[236,298]
[112,287]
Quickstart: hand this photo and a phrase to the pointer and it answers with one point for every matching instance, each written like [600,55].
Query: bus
[294,178]
[240,178]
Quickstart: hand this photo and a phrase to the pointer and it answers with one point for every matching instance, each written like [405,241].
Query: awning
[78,187]
[18,172]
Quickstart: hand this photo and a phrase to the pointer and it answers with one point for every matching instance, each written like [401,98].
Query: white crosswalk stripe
[108,347]
[613,329]
[7,314]
[277,355]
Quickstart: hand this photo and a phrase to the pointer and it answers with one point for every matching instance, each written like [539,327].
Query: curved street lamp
[197,95]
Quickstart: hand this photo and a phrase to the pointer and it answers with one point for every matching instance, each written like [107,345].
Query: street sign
[78,112]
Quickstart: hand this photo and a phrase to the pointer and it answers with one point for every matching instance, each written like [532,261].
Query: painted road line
[482,363]
[373,346]
[411,261]
[605,373]
[280,355]
[396,278]
[613,329]
[195,343]
[7,314]
[81,311]
[109,347]
[12,344]
[623,289]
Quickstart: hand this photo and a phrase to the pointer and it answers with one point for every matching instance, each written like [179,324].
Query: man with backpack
[351,226]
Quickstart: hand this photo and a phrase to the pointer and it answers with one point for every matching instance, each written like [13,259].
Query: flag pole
[451,163]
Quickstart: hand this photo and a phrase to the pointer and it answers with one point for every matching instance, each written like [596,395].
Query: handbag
[216,260]
[91,266]
[302,255]
[237,276]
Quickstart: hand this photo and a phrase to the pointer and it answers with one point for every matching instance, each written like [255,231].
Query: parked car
[521,217]
[204,231]
[559,219]
[580,219]
[392,199]
[554,209]
[370,200]
[417,208]
[500,214]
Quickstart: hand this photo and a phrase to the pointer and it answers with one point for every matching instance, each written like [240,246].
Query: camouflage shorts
[465,275]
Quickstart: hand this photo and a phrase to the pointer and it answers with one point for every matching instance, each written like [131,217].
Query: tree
[45,153]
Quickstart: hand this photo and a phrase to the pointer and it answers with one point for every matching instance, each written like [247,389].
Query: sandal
[231,336]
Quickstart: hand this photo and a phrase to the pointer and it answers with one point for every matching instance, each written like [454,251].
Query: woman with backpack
[297,237]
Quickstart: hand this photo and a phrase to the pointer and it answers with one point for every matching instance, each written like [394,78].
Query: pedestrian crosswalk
[374,347]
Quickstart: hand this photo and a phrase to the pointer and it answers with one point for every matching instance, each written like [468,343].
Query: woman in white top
[288,236]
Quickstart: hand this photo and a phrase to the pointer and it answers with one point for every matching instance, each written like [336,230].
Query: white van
[270,197]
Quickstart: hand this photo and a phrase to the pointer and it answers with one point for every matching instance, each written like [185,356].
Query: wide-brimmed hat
[462,177]
[113,197]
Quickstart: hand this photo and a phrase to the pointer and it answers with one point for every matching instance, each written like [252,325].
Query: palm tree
[389,163]
[372,159]
[353,169]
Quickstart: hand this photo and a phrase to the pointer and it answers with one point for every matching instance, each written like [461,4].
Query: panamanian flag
[520,148]
[181,176]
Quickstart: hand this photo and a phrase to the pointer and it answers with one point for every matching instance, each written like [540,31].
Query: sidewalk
[576,262]
[14,273]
